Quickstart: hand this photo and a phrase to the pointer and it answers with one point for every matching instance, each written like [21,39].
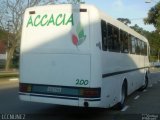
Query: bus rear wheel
[121,104]
[145,84]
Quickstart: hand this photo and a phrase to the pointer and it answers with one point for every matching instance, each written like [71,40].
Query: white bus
[76,55]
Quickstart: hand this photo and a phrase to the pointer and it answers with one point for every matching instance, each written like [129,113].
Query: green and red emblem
[79,37]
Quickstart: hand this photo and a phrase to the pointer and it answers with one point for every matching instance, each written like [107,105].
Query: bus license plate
[54,89]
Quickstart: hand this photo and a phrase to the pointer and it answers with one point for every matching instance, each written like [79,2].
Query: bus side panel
[116,68]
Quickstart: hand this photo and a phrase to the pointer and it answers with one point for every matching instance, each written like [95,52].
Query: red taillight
[24,87]
[90,92]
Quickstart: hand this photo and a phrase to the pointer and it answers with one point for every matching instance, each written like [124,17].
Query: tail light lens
[25,87]
[90,92]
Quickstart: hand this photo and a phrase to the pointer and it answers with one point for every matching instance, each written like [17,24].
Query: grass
[8,74]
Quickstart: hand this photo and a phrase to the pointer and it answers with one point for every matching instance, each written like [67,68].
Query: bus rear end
[55,60]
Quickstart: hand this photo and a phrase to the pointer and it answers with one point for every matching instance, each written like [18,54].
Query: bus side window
[133,45]
[129,43]
[124,41]
[116,39]
[142,50]
[113,38]
[104,35]
[145,49]
[109,37]
[138,46]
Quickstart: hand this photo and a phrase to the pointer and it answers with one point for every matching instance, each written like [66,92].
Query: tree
[3,35]
[126,21]
[138,29]
[154,41]
[11,17]
[154,19]
[154,16]
[153,38]
[75,1]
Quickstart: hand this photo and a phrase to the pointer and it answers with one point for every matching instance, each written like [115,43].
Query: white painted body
[49,57]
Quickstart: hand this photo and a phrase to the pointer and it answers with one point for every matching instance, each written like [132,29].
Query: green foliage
[138,29]
[154,37]
[153,58]
[9,74]
[126,21]
[154,41]
[154,16]
[75,1]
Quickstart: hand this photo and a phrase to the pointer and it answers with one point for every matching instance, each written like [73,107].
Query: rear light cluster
[90,92]
[25,87]
[77,92]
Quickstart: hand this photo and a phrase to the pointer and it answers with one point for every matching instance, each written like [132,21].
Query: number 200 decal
[82,82]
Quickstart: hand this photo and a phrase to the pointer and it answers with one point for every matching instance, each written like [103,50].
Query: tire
[121,104]
[146,83]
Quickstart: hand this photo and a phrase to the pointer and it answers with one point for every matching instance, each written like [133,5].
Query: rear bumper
[61,95]
[60,100]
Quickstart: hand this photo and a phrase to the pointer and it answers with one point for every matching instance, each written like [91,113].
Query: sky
[135,10]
